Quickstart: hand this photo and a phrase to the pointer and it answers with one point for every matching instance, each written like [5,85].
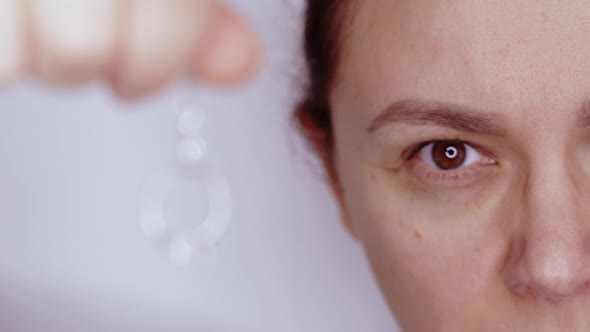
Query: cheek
[428,259]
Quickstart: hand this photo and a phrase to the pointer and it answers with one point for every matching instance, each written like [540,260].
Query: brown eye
[448,155]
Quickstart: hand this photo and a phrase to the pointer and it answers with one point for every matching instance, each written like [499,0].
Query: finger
[231,51]
[158,44]
[11,41]
[74,38]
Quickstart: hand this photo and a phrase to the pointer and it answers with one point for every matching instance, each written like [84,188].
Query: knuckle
[79,55]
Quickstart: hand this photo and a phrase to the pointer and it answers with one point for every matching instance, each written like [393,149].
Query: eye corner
[413,151]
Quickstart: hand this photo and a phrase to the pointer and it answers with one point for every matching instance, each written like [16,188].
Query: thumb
[230,51]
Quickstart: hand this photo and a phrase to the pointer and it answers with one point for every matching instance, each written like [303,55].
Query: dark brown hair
[322,39]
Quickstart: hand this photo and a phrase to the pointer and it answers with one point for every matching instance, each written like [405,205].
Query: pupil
[451,152]
[449,155]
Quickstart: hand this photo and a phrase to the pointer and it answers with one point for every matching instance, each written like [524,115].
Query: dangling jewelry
[182,247]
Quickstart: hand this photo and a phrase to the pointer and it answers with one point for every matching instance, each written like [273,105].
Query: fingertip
[231,52]
[12,37]
[128,93]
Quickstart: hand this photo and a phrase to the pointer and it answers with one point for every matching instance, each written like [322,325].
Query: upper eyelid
[413,151]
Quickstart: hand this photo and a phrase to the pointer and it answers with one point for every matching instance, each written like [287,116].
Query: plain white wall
[73,258]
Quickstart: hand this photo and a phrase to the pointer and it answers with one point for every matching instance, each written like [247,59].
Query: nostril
[523,291]
[584,288]
[532,293]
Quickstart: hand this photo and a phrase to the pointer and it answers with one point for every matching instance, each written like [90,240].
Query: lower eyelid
[456,177]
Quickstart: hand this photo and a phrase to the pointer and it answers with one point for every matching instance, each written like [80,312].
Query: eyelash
[455,177]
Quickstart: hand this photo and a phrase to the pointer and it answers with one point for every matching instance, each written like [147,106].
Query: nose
[549,268]
[550,259]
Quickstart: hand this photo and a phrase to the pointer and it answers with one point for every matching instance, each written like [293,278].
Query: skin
[502,244]
[137,47]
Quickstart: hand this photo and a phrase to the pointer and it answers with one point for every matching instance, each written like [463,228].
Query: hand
[137,46]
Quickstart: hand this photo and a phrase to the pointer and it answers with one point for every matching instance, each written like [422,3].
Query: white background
[73,258]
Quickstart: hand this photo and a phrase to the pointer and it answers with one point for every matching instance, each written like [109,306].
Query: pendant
[186,247]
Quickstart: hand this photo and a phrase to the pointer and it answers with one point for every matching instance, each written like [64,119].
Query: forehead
[525,54]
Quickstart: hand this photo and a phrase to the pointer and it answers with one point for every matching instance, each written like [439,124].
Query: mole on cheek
[417,235]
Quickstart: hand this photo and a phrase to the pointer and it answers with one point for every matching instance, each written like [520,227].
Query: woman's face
[462,133]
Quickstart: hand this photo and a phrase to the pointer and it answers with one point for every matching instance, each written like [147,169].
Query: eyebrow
[448,115]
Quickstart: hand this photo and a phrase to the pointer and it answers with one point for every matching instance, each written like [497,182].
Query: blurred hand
[136,45]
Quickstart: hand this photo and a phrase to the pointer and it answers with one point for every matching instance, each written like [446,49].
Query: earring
[186,247]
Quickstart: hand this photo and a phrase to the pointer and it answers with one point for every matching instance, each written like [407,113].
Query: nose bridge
[551,191]
[551,260]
